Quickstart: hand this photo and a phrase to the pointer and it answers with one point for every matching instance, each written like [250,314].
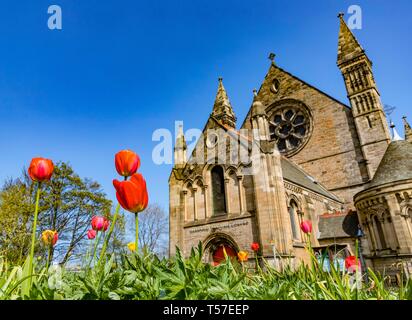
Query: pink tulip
[306,226]
[91,234]
[98,223]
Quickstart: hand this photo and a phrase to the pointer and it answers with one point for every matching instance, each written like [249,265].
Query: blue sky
[118,70]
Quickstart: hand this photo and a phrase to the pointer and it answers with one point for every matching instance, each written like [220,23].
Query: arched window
[381,234]
[218,191]
[293,209]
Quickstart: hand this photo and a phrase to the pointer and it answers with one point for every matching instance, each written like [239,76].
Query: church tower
[364,97]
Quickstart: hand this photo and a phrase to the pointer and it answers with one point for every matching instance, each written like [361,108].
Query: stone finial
[408,129]
[271,57]
[254,93]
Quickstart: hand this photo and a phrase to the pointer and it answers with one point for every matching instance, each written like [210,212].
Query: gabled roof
[396,164]
[273,68]
[296,175]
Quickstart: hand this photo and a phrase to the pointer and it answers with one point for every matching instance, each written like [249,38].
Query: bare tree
[153,229]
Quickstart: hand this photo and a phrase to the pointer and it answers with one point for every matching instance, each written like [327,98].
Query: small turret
[180,149]
[408,130]
[259,118]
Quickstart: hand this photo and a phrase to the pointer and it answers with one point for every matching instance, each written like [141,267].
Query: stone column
[241,194]
[376,236]
[206,200]
[227,195]
[400,225]
[185,205]
[368,223]
[195,217]
[391,241]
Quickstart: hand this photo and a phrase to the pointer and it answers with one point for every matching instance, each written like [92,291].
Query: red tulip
[98,223]
[306,226]
[91,234]
[106,224]
[132,194]
[350,263]
[255,246]
[127,162]
[40,169]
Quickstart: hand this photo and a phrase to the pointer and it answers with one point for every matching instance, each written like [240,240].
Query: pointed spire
[180,139]
[395,134]
[222,109]
[408,129]
[348,46]
[180,149]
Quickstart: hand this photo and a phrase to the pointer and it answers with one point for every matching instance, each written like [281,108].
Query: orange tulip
[49,237]
[132,194]
[242,255]
[127,162]
[40,169]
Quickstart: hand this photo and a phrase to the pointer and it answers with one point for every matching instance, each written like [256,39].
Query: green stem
[136,217]
[356,268]
[48,257]
[33,235]
[95,247]
[109,234]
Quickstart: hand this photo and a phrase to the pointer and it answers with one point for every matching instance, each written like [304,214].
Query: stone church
[299,155]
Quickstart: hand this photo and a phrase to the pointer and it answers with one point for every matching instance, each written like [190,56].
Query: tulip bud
[243,256]
[91,234]
[306,226]
[40,169]
[127,162]
[350,263]
[49,237]
[98,223]
[132,194]
[131,246]
[255,246]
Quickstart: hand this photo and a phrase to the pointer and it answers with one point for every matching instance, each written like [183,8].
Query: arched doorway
[220,253]
[218,246]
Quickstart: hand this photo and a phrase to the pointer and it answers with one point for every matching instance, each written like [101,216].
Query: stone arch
[200,199]
[233,191]
[293,209]
[212,242]
[218,189]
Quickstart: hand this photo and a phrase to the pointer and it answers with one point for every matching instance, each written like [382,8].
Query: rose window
[289,127]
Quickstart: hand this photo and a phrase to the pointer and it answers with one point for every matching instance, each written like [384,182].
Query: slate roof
[296,175]
[396,164]
[339,225]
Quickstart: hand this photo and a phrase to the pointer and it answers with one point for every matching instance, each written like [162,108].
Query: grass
[145,276]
